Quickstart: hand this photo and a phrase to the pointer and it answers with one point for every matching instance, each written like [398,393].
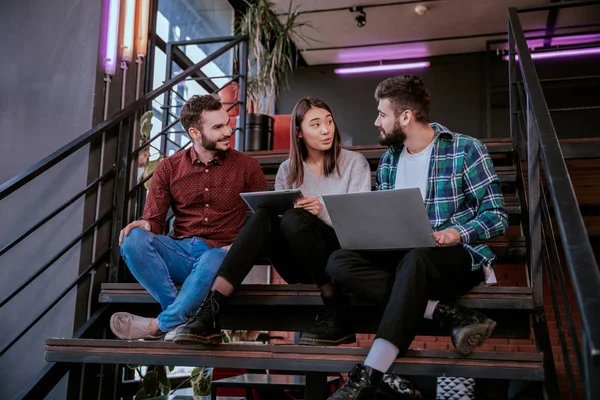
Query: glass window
[197,19]
[179,20]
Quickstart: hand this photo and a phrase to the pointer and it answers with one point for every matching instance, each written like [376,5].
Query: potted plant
[271,59]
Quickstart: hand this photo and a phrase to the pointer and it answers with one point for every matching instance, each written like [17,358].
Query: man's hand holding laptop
[447,236]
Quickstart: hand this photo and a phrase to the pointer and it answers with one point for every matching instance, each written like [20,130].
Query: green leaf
[166,388]
[133,366]
[171,368]
[271,51]
[151,382]
[142,394]
[225,337]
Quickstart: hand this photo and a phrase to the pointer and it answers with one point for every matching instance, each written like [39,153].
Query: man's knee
[416,260]
[294,220]
[212,259]
[136,241]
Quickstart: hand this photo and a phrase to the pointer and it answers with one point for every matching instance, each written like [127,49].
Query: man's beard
[397,135]
[210,145]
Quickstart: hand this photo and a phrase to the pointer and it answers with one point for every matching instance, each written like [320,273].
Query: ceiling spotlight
[361,18]
[421,9]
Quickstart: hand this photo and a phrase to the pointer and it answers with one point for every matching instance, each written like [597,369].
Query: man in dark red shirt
[202,186]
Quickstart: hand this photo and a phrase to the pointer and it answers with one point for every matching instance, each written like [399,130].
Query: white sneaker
[171,334]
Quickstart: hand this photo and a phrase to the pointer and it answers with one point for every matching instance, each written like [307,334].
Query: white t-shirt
[413,170]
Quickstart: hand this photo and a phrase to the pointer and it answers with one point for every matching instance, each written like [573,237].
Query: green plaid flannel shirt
[463,190]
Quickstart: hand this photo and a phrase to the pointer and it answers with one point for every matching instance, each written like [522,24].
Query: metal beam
[184,62]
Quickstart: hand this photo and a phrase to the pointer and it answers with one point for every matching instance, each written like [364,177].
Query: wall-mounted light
[561,53]
[379,68]
[112,35]
[361,18]
[141,40]
[128,30]
[141,27]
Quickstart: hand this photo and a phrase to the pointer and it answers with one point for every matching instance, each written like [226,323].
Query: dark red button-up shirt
[205,198]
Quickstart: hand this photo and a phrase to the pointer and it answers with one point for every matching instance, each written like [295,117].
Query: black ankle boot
[332,326]
[361,384]
[468,328]
[204,326]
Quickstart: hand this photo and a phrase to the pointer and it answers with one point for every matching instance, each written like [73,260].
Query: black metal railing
[125,190]
[535,138]
[495,49]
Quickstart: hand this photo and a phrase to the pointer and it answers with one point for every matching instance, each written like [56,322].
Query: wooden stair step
[482,297]
[479,364]
[293,308]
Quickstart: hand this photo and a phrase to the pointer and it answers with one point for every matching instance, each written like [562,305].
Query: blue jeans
[160,262]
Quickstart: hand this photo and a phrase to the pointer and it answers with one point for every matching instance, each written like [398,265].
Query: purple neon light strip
[112,33]
[375,68]
[562,53]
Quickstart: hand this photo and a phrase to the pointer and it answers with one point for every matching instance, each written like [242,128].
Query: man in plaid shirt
[464,201]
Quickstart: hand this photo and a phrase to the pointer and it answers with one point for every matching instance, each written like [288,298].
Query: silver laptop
[380,220]
[278,200]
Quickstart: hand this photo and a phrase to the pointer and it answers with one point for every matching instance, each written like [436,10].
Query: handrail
[57,211]
[56,257]
[578,250]
[543,146]
[120,123]
[82,275]
[35,170]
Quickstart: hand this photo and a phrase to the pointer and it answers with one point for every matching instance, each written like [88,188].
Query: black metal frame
[505,87]
[542,146]
[177,56]
[120,127]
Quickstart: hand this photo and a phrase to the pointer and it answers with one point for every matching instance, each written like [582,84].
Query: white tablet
[278,200]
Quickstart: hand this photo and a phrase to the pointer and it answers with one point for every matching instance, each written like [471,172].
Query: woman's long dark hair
[298,150]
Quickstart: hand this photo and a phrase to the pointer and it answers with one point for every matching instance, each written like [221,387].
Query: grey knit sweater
[355,176]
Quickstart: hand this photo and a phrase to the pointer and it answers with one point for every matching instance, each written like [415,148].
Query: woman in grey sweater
[300,241]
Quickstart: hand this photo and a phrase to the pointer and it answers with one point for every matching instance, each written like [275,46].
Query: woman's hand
[310,204]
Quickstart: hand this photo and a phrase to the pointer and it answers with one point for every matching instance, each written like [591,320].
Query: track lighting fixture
[361,18]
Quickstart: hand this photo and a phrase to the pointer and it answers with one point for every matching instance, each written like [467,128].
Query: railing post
[535,209]
[167,100]
[240,137]
[120,195]
[512,88]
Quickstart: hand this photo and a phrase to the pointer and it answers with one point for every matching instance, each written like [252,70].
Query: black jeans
[401,283]
[297,243]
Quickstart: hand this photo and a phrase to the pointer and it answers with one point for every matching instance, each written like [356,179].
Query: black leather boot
[332,326]
[204,326]
[468,328]
[362,384]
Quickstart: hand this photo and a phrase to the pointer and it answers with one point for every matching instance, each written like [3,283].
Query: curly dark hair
[406,92]
[191,112]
